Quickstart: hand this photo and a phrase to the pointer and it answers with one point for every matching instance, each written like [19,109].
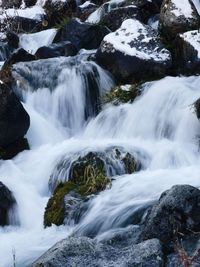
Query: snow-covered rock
[188,51]
[134,52]
[177,17]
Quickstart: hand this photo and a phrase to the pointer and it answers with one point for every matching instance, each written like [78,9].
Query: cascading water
[61,97]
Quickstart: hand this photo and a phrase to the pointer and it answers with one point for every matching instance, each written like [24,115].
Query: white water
[160,124]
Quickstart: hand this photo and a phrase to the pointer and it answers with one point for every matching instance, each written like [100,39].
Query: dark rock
[11,3]
[7,202]
[10,151]
[5,51]
[84,11]
[134,59]
[56,50]
[59,11]
[82,35]
[177,212]
[30,3]
[197,108]
[175,19]
[12,39]
[87,252]
[19,55]
[115,17]
[14,120]
[21,24]
[187,55]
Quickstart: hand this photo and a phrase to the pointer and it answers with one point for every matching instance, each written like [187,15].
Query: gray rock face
[87,252]
[134,52]
[177,211]
[177,17]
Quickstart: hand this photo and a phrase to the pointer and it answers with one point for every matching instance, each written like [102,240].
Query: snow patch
[182,8]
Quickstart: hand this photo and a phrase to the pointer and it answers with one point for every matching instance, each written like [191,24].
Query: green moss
[63,22]
[55,209]
[129,163]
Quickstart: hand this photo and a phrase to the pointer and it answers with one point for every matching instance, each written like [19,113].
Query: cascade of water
[60,97]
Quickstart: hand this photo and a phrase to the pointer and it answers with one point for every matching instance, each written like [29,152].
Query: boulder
[178,17]
[58,11]
[14,120]
[30,3]
[12,39]
[84,252]
[11,3]
[11,150]
[82,35]
[115,17]
[187,51]
[56,50]
[177,214]
[19,55]
[134,52]
[7,202]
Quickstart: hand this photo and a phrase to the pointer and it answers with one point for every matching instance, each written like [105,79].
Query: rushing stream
[62,99]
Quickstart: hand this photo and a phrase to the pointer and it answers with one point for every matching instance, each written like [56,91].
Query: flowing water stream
[67,119]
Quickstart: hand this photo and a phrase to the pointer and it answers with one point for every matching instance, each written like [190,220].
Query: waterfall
[67,120]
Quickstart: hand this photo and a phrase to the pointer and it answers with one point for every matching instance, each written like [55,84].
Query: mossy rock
[122,94]
[92,181]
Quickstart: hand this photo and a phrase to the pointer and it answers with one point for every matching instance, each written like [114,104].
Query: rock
[12,39]
[115,17]
[30,3]
[14,120]
[56,50]
[177,212]
[65,206]
[197,108]
[82,35]
[11,3]
[19,55]
[112,161]
[5,51]
[58,10]
[7,202]
[178,17]
[21,24]
[123,94]
[88,252]
[84,10]
[187,50]
[11,150]
[134,52]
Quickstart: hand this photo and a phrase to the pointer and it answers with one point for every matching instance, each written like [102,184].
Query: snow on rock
[31,42]
[178,16]
[188,51]
[133,51]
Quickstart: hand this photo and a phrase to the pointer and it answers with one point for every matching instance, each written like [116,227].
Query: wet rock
[177,212]
[7,201]
[30,3]
[11,3]
[178,17]
[82,35]
[12,39]
[197,108]
[134,52]
[11,150]
[14,120]
[58,11]
[65,206]
[87,252]
[113,161]
[5,51]
[19,55]
[56,50]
